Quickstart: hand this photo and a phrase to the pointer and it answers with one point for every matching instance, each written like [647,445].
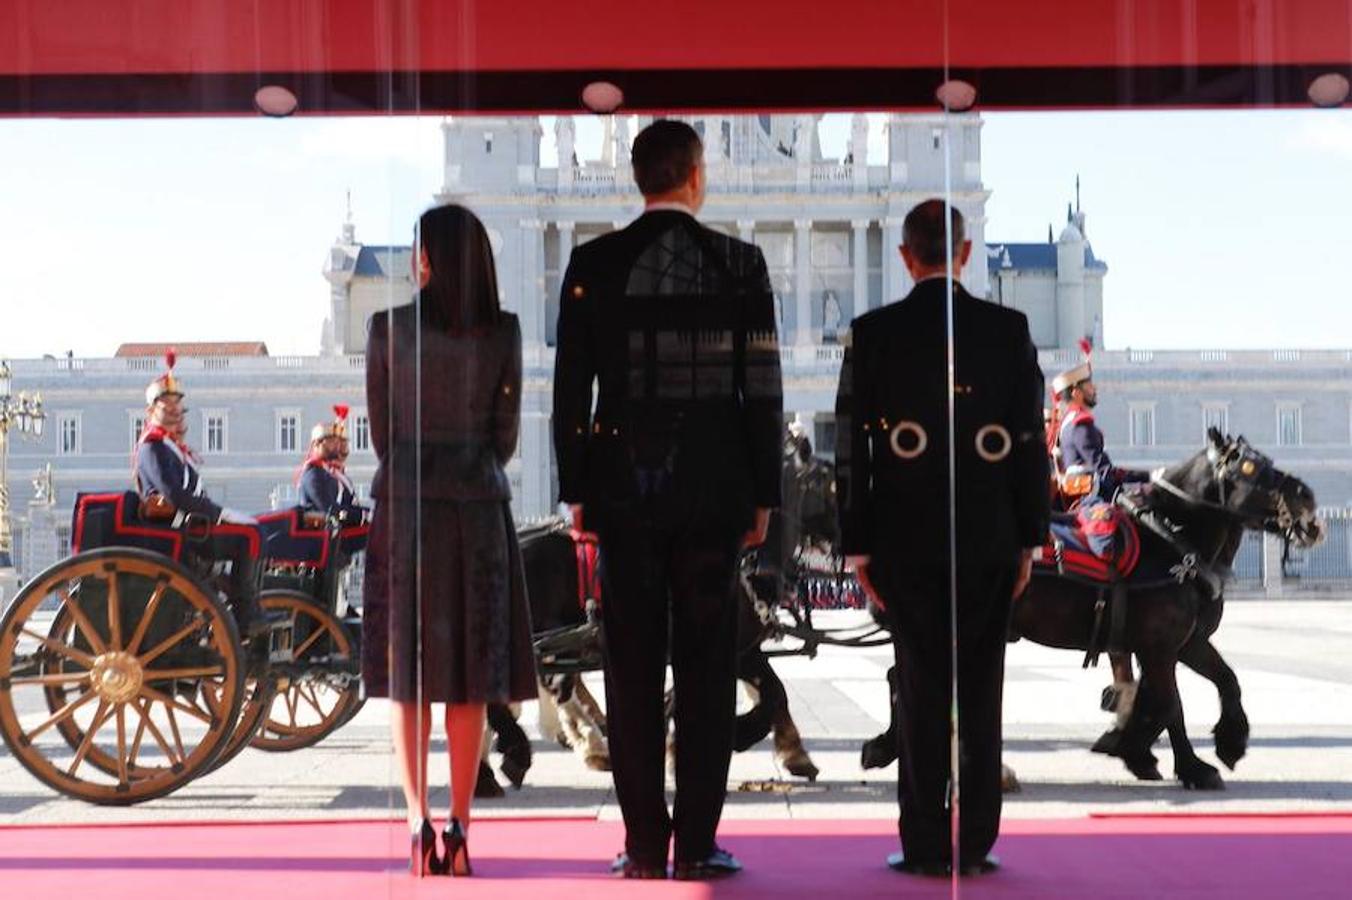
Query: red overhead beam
[175,56]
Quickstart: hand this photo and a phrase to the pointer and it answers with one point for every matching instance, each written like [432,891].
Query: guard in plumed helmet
[324,484]
[1085,473]
[166,471]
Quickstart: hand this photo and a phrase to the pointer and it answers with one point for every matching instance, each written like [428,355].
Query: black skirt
[445,616]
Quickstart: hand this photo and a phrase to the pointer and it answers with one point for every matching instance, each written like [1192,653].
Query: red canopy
[339,56]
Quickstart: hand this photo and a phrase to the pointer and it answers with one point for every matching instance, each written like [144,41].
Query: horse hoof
[1009,782]
[1145,769]
[1109,743]
[1232,743]
[1202,778]
[514,771]
[800,766]
[877,753]
[597,762]
[487,787]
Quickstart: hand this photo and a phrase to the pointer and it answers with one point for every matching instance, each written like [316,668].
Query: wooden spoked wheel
[318,691]
[103,702]
[258,694]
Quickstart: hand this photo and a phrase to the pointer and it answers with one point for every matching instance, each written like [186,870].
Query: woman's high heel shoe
[423,859]
[457,845]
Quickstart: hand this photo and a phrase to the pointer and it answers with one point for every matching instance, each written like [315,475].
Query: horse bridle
[1240,462]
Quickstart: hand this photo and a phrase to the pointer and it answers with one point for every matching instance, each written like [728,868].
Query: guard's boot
[249,614]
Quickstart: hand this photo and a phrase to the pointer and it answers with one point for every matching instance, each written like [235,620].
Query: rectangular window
[288,432]
[68,434]
[138,424]
[62,541]
[361,433]
[1217,416]
[213,431]
[1288,424]
[1142,425]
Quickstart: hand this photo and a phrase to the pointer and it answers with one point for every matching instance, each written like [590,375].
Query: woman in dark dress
[446,618]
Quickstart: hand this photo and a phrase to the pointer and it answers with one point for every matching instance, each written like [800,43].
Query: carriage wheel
[105,706]
[320,692]
[259,693]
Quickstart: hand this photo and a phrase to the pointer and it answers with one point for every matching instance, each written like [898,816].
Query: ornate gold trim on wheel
[120,669]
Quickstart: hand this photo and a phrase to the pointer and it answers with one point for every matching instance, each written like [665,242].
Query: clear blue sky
[1220,229]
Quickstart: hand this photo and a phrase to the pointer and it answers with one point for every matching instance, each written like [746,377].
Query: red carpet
[1109,856]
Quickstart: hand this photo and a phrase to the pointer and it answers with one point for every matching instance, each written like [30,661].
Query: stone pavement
[1294,661]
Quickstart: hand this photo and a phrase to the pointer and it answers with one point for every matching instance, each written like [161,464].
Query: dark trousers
[655,578]
[918,610]
[234,546]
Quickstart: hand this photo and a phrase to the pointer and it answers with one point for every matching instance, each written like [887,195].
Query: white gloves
[235,517]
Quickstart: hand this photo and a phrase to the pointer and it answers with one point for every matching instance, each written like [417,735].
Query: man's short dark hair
[664,155]
[923,233]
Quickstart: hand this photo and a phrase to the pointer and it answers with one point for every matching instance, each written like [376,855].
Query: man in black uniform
[167,467]
[675,470]
[892,474]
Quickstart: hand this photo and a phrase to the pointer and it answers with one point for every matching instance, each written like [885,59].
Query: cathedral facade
[829,229]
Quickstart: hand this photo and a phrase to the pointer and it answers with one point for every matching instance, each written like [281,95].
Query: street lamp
[26,415]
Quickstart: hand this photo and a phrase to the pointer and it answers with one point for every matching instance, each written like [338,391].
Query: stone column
[859,151]
[564,135]
[565,244]
[802,262]
[895,277]
[530,282]
[860,253]
[1272,566]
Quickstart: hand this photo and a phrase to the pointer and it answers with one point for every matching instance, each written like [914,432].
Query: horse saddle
[1098,542]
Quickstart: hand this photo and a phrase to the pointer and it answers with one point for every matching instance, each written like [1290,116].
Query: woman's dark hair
[462,291]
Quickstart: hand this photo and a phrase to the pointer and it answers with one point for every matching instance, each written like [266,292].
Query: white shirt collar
[936,275]
[671,205]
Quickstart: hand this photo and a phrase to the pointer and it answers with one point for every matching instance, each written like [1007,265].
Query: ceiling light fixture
[1329,90]
[602,97]
[275,101]
[956,95]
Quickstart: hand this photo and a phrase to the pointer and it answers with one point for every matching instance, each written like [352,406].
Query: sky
[1220,229]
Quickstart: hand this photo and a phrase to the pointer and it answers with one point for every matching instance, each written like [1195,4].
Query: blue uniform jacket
[322,491]
[1082,446]
[162,468]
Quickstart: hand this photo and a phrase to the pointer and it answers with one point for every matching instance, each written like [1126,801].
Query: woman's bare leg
[407,718]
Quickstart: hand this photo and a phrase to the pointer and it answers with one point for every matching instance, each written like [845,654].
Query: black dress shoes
[718,864]
[939,868]
[625,867]
[936,868]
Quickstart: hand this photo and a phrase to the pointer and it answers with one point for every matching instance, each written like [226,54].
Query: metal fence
[1331,561]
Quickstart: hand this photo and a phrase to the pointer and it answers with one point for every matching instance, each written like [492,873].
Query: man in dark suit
[892,473]
[676,470]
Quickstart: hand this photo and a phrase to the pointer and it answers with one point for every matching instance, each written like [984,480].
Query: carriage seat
[295,538]
[1098,542]
[117,520]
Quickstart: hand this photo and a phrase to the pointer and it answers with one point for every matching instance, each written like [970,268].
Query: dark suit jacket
[895,372]
[674,325]
[454,443]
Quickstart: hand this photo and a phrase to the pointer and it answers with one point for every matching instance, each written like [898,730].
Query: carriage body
[123,674]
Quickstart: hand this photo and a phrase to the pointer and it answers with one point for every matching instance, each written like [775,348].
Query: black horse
[567,633]
[1205,504]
